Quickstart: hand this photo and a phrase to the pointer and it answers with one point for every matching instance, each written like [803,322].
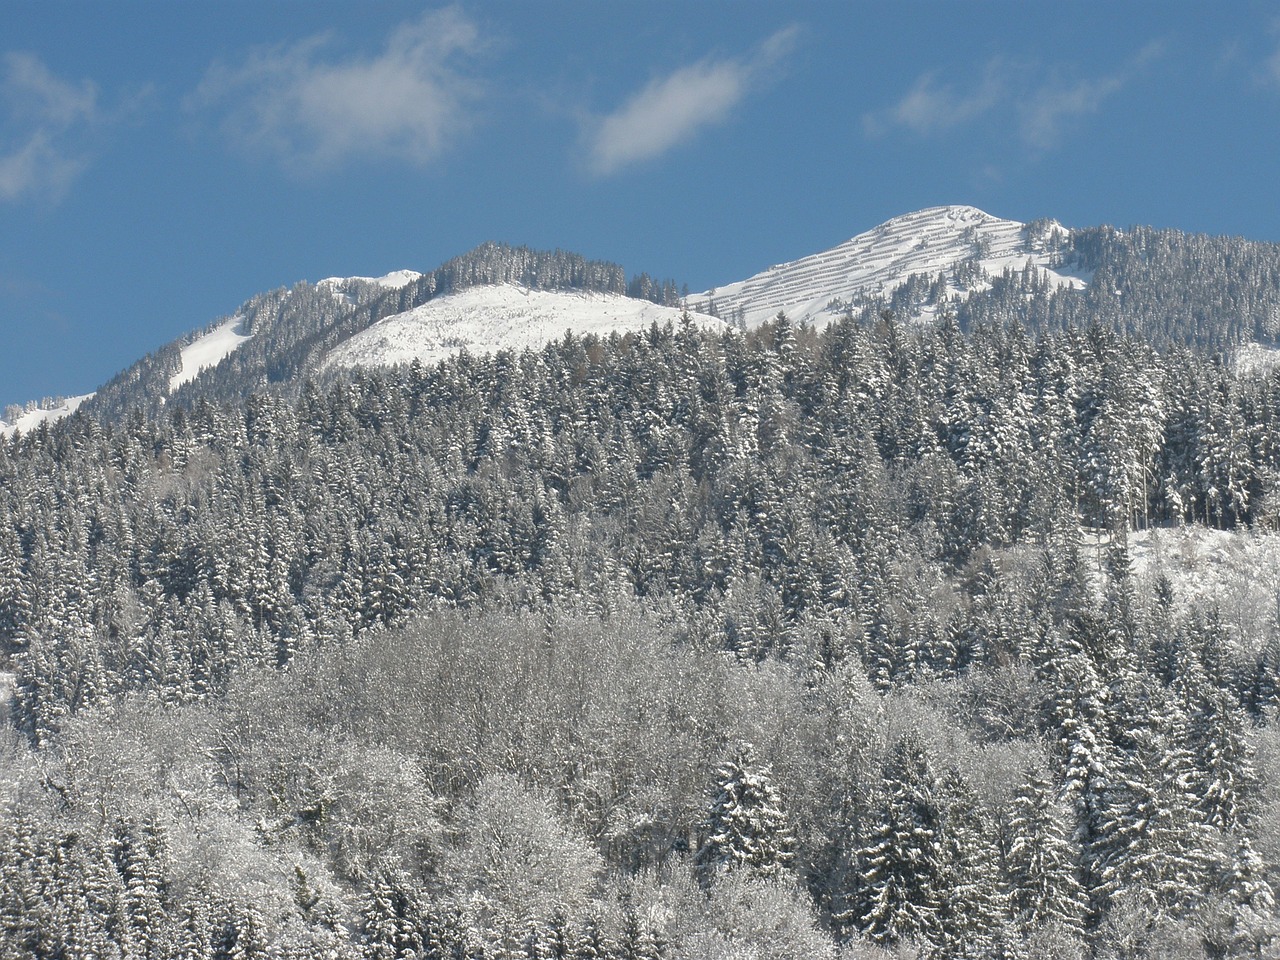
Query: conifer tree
[903,860]
[1042,863]
[746,825]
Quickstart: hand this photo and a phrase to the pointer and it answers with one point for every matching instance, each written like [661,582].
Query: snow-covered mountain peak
[505,316]
[963,244]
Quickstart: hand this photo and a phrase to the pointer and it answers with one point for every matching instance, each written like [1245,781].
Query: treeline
[810,652]
[768,482]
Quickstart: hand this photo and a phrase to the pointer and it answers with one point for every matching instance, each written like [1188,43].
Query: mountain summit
[1173,288]
[962,244]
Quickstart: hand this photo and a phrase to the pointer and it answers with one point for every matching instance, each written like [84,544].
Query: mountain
[1216,294]
[961,245]
[278,339]
[492,318]
[662,645]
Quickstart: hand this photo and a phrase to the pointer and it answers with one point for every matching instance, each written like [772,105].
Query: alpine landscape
[915,598]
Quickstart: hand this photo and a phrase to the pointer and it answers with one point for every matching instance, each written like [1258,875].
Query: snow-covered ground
[1238,571]
[491,318]
[31,419]
[392,281]
[209,350]
[929,241]
[341,287]
[6,687]
[221,342]
[1256,358]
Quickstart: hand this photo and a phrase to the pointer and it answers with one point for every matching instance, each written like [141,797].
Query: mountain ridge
[1214,293]
[965,244]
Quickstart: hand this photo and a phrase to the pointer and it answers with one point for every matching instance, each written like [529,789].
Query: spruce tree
[903,860]
[746,825]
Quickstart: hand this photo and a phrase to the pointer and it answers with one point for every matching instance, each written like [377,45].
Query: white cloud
[1046,111]
[37,167]
[41,117]
[673,109]
[928,108]
[1043,105]
[408,102]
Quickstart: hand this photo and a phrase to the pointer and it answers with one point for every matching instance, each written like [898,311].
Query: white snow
[45,413]
[392,281]
[1256,358]
[209,350]
[1235,571]
[487,319]
[932,241]
[7,682]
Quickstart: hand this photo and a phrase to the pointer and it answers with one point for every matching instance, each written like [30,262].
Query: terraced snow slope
[209,351]
[932,241]
[491,318]
[50,414]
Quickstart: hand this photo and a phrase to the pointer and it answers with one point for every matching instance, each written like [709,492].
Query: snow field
[209,351]
[929,241]
[52,414]
[488,319]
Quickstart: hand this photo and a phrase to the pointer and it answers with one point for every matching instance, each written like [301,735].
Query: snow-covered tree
[746,824]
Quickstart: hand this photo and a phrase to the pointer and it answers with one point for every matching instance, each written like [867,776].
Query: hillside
[1213,294]
[961,245]
[484,320]
[514,610]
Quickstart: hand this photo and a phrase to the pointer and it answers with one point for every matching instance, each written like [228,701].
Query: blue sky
[161,162]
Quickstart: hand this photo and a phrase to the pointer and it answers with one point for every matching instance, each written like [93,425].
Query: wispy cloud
[1271,67]
[41,119]
[1042,103]
[312,111]
[674,108]
[1046,112]
[1048,109]
[930,108]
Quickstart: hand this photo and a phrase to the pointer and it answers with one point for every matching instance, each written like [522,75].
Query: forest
[767,644]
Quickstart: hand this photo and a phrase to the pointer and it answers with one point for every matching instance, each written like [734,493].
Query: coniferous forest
[779,644]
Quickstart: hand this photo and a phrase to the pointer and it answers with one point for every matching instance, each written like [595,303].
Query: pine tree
[1251,926]
[903,861]
[391,925]
[1042,864]
[1086,759]
[746,825]
[1155,846]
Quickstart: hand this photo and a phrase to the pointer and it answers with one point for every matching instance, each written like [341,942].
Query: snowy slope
[1237,572]
[349,288]
[209,350]
[930,241]
[487,319]
[212,348]
[50,414]
[1256,358]
[392,281]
